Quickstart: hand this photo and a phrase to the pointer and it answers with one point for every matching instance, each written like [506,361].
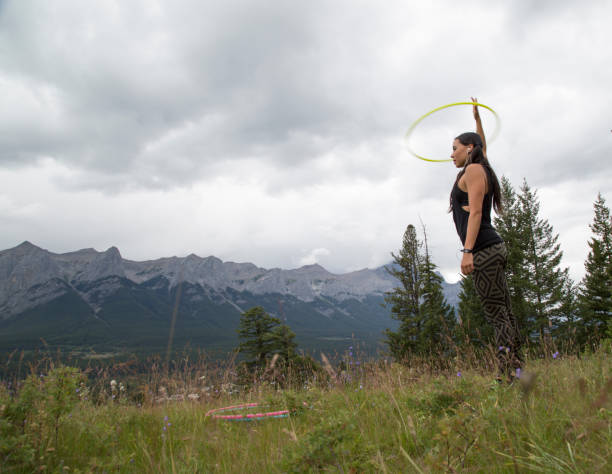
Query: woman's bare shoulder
[474,169]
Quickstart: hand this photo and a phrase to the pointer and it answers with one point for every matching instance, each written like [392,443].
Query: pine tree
[437,315]
[543,279]
[596,293]
[567,324]
[426,319]
[509,228]
[472,328]
[404,299]
[256,332]
[285,345]
[538,286]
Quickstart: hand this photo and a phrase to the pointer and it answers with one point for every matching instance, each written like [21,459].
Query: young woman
[475,191]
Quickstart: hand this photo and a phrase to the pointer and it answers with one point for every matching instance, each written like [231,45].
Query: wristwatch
[466,250]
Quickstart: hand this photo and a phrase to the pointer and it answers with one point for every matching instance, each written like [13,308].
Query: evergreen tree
[543,279]
[472,328]
[426,319]
[509,228]
[258,339]
[404,299]
[538,286]
[596,293]
[437,315]
[284,340]
[567,324]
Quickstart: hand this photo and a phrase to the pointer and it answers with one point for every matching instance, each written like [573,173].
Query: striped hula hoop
[217,413]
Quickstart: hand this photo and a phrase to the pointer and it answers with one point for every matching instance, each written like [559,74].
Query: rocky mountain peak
[112,253]
[24,248]
[26,244]
[314,268]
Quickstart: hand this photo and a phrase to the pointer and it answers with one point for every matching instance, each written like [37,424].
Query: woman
[475,191]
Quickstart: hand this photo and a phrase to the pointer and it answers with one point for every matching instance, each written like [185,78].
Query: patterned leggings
[492,288]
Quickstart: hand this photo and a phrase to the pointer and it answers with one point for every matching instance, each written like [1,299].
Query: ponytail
[477,156]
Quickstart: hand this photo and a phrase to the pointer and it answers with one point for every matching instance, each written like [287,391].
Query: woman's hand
[467,263]
[475,108]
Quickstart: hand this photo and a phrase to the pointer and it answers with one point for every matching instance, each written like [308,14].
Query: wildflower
[166,418]
[121,387]
[458,374]
[518,373]
[555,355]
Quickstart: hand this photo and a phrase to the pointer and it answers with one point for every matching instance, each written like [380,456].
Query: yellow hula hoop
[420,119]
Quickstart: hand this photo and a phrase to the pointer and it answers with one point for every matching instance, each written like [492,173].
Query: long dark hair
[477,156]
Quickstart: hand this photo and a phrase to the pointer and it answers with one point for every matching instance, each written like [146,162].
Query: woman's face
[460,153]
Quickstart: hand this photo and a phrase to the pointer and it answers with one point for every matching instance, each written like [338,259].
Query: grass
[375,417]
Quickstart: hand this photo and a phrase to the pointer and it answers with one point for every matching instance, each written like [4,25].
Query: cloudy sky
[273,131]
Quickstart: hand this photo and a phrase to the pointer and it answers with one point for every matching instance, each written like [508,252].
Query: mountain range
[91,302]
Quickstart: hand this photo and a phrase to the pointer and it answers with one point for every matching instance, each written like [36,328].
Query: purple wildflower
[166,418]
[458,374]
[555,355]
[518,373]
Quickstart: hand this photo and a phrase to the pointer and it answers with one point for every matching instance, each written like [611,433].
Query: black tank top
[487,235]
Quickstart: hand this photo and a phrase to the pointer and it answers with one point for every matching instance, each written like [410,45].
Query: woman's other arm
[476,181]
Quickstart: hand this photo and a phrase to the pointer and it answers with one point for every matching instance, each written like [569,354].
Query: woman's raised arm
[479,128]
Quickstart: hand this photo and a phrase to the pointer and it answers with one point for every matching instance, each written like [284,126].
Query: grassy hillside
[369,417]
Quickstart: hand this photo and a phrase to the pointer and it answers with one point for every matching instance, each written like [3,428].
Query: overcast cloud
[272,131]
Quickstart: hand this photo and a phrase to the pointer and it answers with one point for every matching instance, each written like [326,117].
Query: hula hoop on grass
[420,119]
[215,413]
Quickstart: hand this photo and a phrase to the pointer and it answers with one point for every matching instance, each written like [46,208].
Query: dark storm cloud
[138,89]
[164,94]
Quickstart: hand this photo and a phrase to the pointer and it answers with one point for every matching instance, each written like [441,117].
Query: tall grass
[427,415]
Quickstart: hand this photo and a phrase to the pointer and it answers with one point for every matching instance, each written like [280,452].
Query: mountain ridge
[100,297]
[27,265]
